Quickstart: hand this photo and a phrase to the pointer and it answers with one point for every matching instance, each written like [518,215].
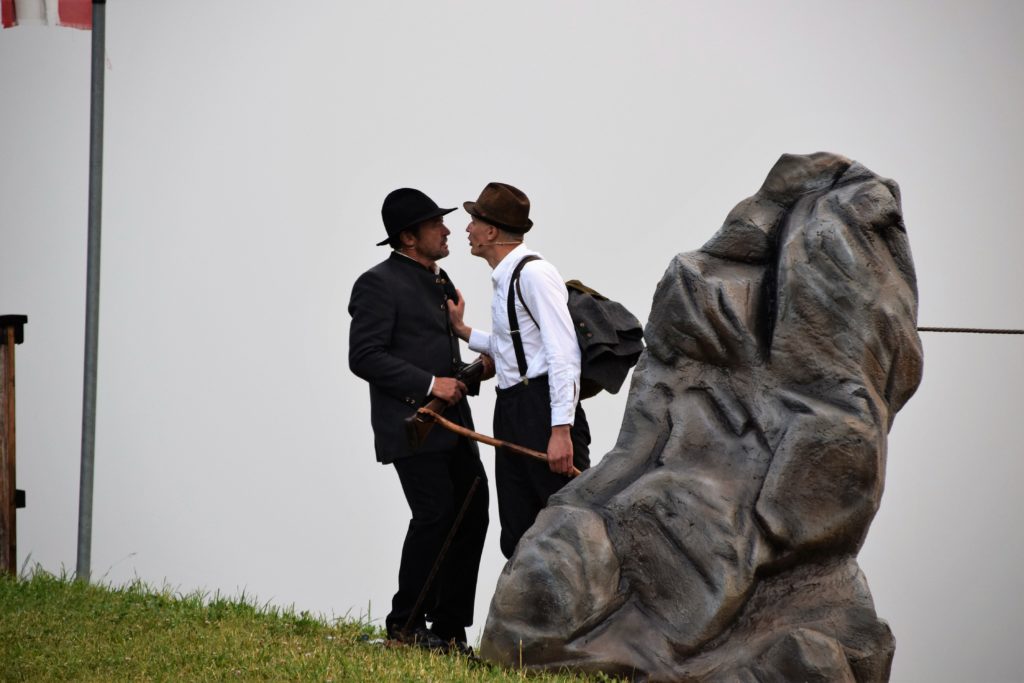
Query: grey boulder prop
[717,541]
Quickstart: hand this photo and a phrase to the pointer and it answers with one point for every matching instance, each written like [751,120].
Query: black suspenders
[513,320]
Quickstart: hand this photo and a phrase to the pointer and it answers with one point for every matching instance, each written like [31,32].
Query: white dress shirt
[551,349]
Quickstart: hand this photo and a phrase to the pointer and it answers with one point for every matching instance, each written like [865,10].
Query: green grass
[56,629]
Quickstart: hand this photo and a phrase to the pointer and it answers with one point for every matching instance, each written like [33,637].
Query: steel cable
[972,330]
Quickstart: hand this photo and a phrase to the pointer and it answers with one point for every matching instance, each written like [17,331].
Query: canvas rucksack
[609,336]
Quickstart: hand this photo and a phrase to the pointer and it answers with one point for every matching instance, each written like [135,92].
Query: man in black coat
[400,341]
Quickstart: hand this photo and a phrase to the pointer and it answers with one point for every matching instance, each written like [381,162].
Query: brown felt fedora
[504,206]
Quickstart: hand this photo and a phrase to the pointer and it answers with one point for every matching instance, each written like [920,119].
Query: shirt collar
[508,264]
[435,270]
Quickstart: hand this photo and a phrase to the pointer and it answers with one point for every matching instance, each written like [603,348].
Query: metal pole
[8,526]
[92,296]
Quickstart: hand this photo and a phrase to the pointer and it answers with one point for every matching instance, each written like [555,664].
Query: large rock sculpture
[717,541]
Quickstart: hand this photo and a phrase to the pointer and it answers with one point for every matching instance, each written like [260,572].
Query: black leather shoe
[455,637]
[419,636]
[447,633]
[461,647]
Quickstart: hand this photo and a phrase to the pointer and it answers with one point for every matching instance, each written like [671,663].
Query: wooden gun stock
[417,426]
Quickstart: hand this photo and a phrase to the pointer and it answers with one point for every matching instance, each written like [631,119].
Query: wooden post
[11,332]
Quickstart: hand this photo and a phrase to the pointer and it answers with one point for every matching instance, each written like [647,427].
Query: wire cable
[968,330]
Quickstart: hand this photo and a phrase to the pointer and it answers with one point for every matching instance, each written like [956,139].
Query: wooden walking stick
[483,438]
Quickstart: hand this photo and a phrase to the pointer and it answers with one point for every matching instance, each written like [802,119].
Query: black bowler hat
[406,207]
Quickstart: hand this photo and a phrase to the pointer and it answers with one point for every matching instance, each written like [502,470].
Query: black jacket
[400,338]
[611,339]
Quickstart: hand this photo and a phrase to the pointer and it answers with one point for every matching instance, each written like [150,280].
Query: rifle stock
[417,426]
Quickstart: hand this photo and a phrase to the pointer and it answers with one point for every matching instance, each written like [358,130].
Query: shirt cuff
[430,389]
[563,415]
[479,341]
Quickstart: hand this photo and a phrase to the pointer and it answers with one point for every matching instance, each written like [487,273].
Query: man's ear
[406,238]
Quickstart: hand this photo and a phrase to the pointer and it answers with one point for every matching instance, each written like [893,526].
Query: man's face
[432,241]
[478,234]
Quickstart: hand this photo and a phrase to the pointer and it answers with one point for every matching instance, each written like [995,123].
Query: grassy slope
[55,629]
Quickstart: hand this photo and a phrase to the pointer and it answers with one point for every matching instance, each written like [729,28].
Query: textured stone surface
[717,541]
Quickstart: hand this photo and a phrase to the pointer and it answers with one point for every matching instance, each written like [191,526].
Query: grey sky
[250,144]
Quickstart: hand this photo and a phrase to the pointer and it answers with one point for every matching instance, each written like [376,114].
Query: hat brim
[426,217]
[473,209]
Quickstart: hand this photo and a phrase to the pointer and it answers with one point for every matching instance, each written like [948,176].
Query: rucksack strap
[513,319]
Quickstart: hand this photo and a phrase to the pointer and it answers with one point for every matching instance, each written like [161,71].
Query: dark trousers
[435,486]
[522,415]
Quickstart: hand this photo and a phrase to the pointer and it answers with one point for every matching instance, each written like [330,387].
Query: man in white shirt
[538,390]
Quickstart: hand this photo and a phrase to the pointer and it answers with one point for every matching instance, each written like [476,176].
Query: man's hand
[488,367]
[560,450]
[455,313]
[448,389]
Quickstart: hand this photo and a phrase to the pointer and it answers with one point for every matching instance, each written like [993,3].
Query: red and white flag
[73,13]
